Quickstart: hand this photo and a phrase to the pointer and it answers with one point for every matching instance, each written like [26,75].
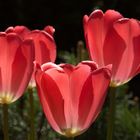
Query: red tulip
[22,31]
[72,96]
[112,39]
[16,66]
[45,47]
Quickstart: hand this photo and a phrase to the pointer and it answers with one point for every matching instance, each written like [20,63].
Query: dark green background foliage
[66,17]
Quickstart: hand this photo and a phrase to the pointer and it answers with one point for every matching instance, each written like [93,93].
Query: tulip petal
[126,29]
[61,79]
[95,90]
[93,36]
[21,72]
[45,48]
[85,101]
[77,80]
[113,49]
[96,27]
[22,31]
[50,30]
[136,62]
[67,68]
[54,100]
[47,111]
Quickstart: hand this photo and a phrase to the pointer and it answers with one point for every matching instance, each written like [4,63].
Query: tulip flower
[113,39]
[45,51]
[16,66]
[45,47]
[72,96]
[22,31]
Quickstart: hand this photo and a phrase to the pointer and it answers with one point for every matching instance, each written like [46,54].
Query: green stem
[80,51]
[31,102]
[5,121]
[111,117]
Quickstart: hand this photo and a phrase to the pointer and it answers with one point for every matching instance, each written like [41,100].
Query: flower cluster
[71,96]
[20,47]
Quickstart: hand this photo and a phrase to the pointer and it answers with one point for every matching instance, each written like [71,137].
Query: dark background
[66,16]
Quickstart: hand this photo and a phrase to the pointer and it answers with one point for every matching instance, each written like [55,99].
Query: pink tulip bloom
[16,66]
[22,31]
[45,47]
[112,39]
[72,96]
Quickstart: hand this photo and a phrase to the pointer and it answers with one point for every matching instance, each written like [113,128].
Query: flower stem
[111,117]
[5,121]
[41,122]
[31,102]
